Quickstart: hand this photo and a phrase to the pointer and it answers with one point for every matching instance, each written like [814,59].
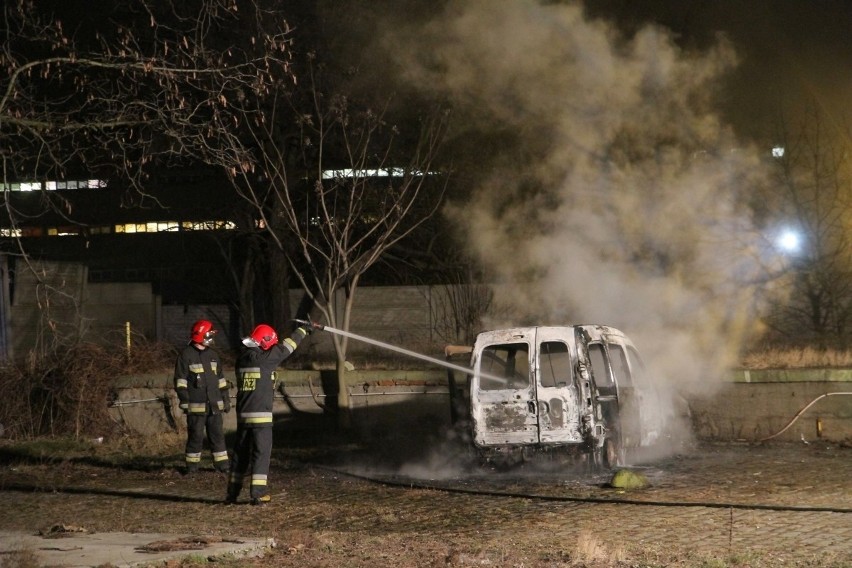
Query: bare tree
[143,85]
[814,190]
[336,187]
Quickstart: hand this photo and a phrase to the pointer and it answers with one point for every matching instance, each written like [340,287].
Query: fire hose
[409,483]
[802,411]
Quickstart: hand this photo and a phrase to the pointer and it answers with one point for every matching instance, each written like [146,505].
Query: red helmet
[203,332]
[263,336]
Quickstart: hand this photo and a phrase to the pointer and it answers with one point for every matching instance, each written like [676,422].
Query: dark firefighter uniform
[203,394]
[255,392]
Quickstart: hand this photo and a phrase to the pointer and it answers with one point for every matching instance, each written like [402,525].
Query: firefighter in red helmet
[255,391]
[203,394]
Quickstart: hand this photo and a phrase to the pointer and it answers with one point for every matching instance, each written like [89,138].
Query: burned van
[577,390]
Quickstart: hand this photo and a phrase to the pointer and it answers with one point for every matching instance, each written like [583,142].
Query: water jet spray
[402,351]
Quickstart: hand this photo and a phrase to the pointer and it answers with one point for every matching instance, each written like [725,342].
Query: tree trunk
[341,346]
[344,401]
[279,288]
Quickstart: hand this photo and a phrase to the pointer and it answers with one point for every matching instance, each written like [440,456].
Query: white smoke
[622,201]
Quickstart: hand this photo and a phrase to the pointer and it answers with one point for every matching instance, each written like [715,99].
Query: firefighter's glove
[226,404]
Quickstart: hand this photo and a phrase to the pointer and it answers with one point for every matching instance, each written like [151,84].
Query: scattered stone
[60,531]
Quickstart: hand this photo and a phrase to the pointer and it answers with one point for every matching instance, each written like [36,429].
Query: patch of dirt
[360,512]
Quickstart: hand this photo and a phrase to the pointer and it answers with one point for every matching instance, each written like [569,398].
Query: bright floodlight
[789,241]
[778,152]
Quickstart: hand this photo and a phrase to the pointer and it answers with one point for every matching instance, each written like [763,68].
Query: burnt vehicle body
[578,390]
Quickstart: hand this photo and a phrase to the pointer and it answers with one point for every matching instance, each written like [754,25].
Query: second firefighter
[203,394]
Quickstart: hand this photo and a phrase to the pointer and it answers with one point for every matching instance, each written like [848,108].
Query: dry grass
[67,392]
[591,549]
[22,558]
[802,358]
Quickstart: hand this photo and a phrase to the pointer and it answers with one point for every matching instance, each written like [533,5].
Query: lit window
[170,226]
[382,172]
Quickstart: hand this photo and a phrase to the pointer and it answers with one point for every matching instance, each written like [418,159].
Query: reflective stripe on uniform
[255,418]
[223,384]
[220,456]
[291,344]
[258,479]
[181,384]
[196,368]
[198,407]
[193,458]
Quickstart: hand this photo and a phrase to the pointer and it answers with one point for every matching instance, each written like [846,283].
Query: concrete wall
[382,400]
[60,297]
[418,402]
[754,405]
[46,305]
[109,307]
[55,302]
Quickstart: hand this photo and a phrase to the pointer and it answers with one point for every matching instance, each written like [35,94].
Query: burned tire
[611,455]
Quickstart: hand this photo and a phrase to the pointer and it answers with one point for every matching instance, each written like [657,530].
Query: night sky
[794,54]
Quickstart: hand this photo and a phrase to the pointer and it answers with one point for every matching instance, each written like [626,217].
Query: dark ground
[337,505]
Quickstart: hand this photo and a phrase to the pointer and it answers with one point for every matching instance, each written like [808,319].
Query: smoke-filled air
[614,193]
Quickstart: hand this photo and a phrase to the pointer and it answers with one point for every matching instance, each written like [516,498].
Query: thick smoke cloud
[621,196]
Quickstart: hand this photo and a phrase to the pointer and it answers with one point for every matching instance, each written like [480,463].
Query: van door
[629,397]
[503,407]
[604,387]
[557,398]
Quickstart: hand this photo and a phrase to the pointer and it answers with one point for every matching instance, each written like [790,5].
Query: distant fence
[60,300]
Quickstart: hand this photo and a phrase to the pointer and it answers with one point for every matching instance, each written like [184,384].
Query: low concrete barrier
[781,404]
[786,405]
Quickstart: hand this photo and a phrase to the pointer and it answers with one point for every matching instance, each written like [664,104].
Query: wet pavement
[788,500]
